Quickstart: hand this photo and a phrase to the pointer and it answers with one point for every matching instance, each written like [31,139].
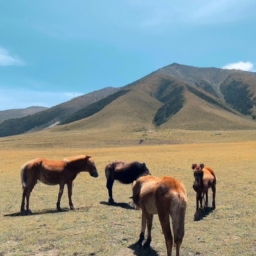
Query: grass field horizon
[95,228]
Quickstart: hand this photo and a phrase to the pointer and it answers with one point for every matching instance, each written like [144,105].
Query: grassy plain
[98,229]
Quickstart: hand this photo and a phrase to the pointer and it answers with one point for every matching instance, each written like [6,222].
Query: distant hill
[174,97]
[18,113]
[51,116]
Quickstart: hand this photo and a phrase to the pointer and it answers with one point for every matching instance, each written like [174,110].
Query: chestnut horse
[166,197]
[52,172]
[204,179]
[124,172]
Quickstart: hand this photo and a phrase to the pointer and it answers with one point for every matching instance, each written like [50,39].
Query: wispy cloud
[22,98]
[194,12]
[8,60]
[246,66]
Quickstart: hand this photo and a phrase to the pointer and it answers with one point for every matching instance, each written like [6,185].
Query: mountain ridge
[170,97]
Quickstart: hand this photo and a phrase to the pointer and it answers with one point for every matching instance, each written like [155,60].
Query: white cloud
[22,98]
[246,66]
[7,60]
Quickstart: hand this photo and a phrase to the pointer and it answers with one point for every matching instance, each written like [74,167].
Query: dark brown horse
[166,197]
[204,179]
[125,172]
[52,172]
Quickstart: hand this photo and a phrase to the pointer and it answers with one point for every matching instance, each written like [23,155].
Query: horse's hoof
[26,212]
[111,201]
[29,212]
[72,208]
[59,209]
[139,243]
[147,244]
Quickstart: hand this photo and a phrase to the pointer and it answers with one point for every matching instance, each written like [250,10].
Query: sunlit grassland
[98,229]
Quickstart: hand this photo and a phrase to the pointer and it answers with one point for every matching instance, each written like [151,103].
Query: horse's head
[144,170]
[91,167]
[198,171]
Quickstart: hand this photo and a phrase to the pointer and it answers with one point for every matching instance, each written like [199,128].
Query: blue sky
[53,50]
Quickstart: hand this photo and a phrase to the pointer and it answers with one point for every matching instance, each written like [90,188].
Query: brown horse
[166,197]
[52,172]
[204,179]
[125,172]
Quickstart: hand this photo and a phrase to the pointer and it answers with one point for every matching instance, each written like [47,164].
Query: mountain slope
[18,113]
[176,96]
[162,102]
[209,79]
[239,91]
[51,116]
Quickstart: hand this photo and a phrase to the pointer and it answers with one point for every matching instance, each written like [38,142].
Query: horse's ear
[144,165]
[202,166]
[87,157]
[193,166]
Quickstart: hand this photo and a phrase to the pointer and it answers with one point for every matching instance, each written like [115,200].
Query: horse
[166,197]
[204,179]
[52,172]
[124,172]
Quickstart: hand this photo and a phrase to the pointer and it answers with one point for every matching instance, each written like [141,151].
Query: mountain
[51,116]
[173,97]
[18,113]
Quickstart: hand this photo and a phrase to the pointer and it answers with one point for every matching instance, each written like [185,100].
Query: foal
[166,197]
[204,179]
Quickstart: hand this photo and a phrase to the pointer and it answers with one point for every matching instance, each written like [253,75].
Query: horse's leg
[164,218]
[198,200]
[109,186]
[206,199]
[24,193]
[28,211]
[149,219]
[213,195]
[143,227]
[178,223]
[62,184]
[199,197]
[28,192]
[70,187]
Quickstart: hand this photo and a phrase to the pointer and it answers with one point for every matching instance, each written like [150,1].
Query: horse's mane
[74,158]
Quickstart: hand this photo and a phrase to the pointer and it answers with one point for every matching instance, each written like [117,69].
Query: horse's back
[172,189]
[127,172]
[166,183]
[144,193]
[111,167]
[209,174]
[148,189]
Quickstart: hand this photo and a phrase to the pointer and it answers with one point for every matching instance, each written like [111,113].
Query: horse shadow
[202,213]
[127,206]
[50,211]
[141,251]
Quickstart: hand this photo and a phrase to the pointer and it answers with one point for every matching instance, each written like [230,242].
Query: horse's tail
[23,175]
[27,167]
[109,169]
[136,189]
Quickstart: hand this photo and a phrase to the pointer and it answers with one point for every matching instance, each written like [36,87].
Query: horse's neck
[75,166]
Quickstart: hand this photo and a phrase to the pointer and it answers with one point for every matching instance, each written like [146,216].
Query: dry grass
[98,229]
